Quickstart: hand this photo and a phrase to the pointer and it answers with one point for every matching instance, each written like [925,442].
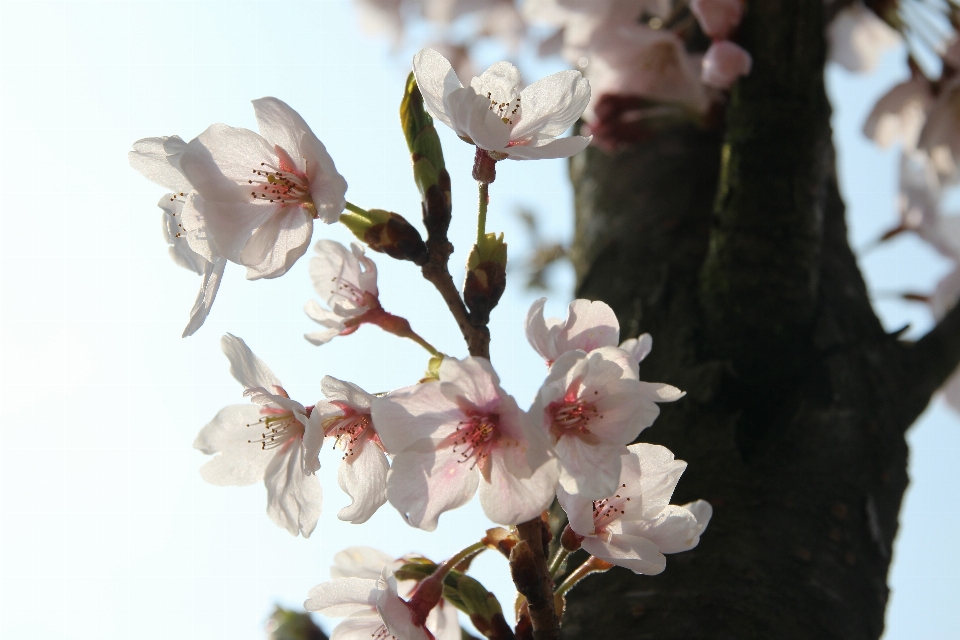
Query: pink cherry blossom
[347,282]
[718,18]
[273,440]
[259,193]
[591,407]
[464,431]
[588,326]
[857,38]
[724,63]
[900,113]
[634,527]
[345,417]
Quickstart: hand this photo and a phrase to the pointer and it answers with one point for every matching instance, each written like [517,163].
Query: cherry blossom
[345,417]
[634,527]
[900,113]
[858,37]
[592,406]
[159,160]
[588,326]
[372,608]
[724,63]
[464,431]
[259,193]
[276,440]
[347,282]
[940,136]
[492,114]
[718,18]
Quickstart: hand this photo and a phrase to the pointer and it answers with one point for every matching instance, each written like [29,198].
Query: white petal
[444,622]
[508,499]
[360,562]
[359,626]
[472,118]
[435,78]
[424,483]
[396,615]
[638,348]
[632,552]
[654,470]
[293,497]
[230,225]
[239,462]
[590,470]
[500,81]
[220,160]
[278,243]
[589,325]
[363,476]
[249,370]
[346,392]
[552,105]
[212,276]
[676,528]
[557,148]
[407,415]
[282,126]
[313,438]
[539,335]
[473,379]
[343,596]
[579,510]
[158,159]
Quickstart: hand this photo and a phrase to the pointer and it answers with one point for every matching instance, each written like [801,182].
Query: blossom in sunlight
[592,406]
[274,439]
[159,160]
[723,63]
[347,282]
[260,193]
[368,563]
[857,38]
[634,527]
[373,608]
[900,113]
[345,417]
[588,326]
[450,436]
[718,18]
[495,116]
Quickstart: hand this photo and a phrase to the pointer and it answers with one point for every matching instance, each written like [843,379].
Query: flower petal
[343,596]
[346,392]
[249,370]
[472,118]
[552,105]
[158,159]
[239,462]
[363,476]
[360,562]
[632,552]
[212,276]
[508,499]
[293,497]
[278,243]
[498,83]
[436,79]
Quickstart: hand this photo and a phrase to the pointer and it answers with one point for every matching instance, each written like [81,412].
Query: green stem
[445,567]
[413,335]
[356,209]
[557,561]
[482,210]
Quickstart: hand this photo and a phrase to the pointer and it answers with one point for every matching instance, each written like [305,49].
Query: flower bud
[486,277]
[387,233]
[429,170]
[480,605]
[570,539]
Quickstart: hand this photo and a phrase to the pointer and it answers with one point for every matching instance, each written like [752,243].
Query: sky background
[106,529]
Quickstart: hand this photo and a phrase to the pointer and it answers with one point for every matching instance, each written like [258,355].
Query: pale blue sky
[106,525]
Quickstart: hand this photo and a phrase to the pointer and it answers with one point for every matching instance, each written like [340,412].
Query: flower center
[277,186]
[349,430]
[572,416]
[609,509]
[508,111]
[475,437]
[382,634]
[279,426]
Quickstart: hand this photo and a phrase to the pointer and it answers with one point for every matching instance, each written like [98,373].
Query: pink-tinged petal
[857,38]
[718,18]
[346,392]
[500,81]
[899,115]
[340,275]
[436,79]
[590,470]
[360,562]
[239,462]
[278,243]
[249,370]
[212,276]
[507,499]
[363,477]
[556,148]
[473,379]
[396,615]
[359,626]
[632,552]
[158,159]
[656,471]
[638,348]
[473,119]
[220,160]
[579,510]
[293,497]
[343,597]
[424,483]
[660,392]
[407,415]
[539,335]
[443,622]
[551,105]
[589,325]
[724,63]
[676,528]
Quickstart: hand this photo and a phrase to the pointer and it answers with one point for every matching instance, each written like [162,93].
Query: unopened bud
[501,539]
[429,170]
[486,277]
[388,233]
[570,539]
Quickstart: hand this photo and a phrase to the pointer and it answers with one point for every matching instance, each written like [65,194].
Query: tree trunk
[730,248]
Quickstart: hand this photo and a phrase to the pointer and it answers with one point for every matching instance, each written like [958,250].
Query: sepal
[486,276]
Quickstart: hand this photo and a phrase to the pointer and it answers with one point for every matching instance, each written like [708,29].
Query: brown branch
[928,362]
[528,567]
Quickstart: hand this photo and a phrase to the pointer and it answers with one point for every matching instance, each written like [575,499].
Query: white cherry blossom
[259,193]
[900,113]
[496,116]
[159,160]
[347,282]
[464,431]
[940,136]
[857,38]
[591,406]
[362,474]
[276,440]
[718,18]
[634,527]
[372,608]
[725,62]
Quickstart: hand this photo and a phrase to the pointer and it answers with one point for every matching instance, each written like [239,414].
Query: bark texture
[730,248]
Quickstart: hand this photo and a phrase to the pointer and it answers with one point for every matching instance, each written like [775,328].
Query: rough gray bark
[730,248]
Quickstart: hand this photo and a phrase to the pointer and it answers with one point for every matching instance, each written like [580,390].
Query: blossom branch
[930,361]
[528,567]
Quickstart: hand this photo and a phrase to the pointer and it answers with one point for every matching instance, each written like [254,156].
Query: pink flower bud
[723,63]
[718,18]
